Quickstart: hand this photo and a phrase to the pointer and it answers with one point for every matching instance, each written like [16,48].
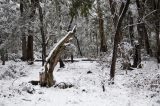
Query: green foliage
[80,7]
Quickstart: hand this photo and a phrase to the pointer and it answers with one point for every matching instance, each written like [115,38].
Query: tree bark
[53,59]
[24,48]
[72,60]
[137,56]
[131,29]
[42,34]
[116,40]
[157,27]
[103,46]
[24,42]
[142,31]
[61,64]
[30,56]
[3,56]
[115,16]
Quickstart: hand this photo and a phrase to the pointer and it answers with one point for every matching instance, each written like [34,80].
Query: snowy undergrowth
[12,70]
[130,89]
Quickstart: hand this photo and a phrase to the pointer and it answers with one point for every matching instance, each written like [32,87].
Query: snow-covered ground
[136,88]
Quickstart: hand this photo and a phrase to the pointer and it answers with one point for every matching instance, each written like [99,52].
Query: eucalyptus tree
[116,38]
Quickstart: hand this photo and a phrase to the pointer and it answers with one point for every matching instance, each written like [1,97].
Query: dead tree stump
[46,77]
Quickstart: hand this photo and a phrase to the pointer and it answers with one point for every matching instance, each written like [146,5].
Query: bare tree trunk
[142,29]
[24,42]
[61,64]
[42,34]
[53,59]
[157,27]
[24,48]
[103,46]
[72,60]
[30,56]
[115,16]
[137,57]
[116,40]
[131,29]
[3,56]
[78,45]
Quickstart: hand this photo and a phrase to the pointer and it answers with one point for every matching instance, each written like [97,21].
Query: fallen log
[46,77]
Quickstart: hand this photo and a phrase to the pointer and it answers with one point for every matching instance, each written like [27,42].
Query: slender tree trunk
[61,64]
[78,45]
[115,16]
[24,42]
[69,28]
[3,56]
[156,5]
[30,56]
[142,29]
[72,60]
[116,39]
[42,34]
[131,29]
[103,46]
[24,48]
[137,57]
[158,41]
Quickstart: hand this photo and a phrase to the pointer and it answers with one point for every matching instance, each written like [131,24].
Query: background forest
[120,36]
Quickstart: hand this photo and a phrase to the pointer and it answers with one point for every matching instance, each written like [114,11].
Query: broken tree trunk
[52,60]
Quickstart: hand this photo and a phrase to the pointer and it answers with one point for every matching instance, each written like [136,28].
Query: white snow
[87,90]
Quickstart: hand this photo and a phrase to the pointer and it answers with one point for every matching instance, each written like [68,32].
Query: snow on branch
[61,42]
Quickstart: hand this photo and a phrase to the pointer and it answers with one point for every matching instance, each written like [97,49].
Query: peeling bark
[53,59]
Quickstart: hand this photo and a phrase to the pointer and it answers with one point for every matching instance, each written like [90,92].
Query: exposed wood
[52,60]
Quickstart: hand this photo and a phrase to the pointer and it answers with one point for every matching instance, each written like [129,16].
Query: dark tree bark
[156,5]
[116,39]
[24,48]
[131,29]
[142,31]
[42,34]
[3,58]
[72,60]
[103,46]
[115,15]
[30,56]
[61,64]
[24,42]
[137,56]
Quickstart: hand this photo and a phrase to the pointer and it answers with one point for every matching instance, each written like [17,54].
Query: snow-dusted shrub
[12,71]
[7,75]
[14,57]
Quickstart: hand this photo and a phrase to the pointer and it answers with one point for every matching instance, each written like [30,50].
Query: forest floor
[139,87]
